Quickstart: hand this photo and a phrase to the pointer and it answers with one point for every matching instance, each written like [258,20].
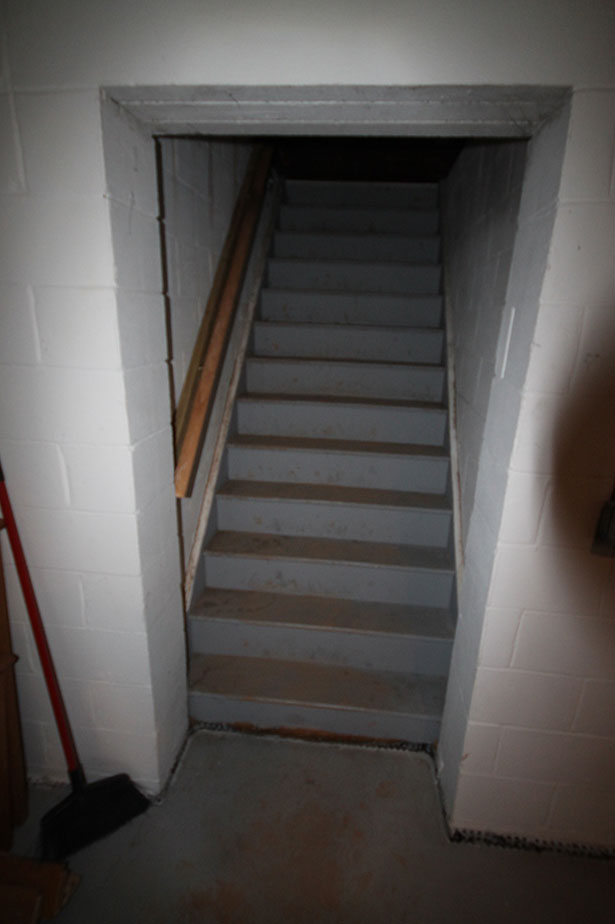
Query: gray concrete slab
[276,831]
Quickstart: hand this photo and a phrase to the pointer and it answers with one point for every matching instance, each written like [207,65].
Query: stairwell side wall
[201,180]
[540,743]
[480,203]
[499,203]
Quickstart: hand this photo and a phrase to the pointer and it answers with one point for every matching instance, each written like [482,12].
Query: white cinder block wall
[480,210]
[538,754]
[201,181]
[132,191]
[69,390]
[73,430]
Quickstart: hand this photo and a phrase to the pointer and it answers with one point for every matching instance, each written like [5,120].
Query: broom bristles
[88,814]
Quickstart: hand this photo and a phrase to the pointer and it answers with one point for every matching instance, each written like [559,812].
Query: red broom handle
[38,630]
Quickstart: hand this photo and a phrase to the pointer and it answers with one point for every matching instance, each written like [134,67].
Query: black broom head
[89,813]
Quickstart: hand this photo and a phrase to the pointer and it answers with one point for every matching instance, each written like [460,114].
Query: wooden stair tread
[316,684]
[337,445]
[331,493]
[263,397]
[351,551]
[324,612]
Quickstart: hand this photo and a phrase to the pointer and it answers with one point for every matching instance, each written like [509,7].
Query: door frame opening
[480,113]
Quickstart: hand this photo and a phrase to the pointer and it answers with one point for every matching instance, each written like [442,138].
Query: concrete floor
[263,830]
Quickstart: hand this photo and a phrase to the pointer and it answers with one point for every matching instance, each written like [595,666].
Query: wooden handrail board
[182,412]
[222,405]
[194,431]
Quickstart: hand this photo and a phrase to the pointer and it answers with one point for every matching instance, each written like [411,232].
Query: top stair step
[411,248]
[362,194]
[359,220]
[353,275]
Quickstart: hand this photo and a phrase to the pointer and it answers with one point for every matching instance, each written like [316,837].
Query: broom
[92,810]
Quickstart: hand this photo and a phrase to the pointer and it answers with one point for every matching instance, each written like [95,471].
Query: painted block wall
[132,194]
[480,204]
[86,43]
[483,190]
[201,181]
[56,236]
[539,751]
[69,445]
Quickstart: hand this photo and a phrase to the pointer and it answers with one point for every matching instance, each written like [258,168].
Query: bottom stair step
[315,697]
[328,630]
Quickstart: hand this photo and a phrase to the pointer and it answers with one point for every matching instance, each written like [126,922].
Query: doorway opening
[469,126]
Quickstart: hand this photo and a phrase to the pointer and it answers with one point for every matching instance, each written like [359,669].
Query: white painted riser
[358,468]
[376,422]
[351,275]
[322,341]
[387,247]
[283,516]
[347,308]
[345,378]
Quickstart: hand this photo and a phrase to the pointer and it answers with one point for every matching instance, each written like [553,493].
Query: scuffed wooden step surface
[394,466]
[363,308]
[393,555]
[357,274]
[386,247]
[332,341]
[330,567]
[325,612]
[350,633]
[347,418]
[334,494]
[291,694]
[333,511]
[352,378]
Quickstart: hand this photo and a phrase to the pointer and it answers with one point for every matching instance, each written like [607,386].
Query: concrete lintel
[439,111]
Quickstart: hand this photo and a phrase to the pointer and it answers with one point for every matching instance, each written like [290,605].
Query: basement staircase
[329,603]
